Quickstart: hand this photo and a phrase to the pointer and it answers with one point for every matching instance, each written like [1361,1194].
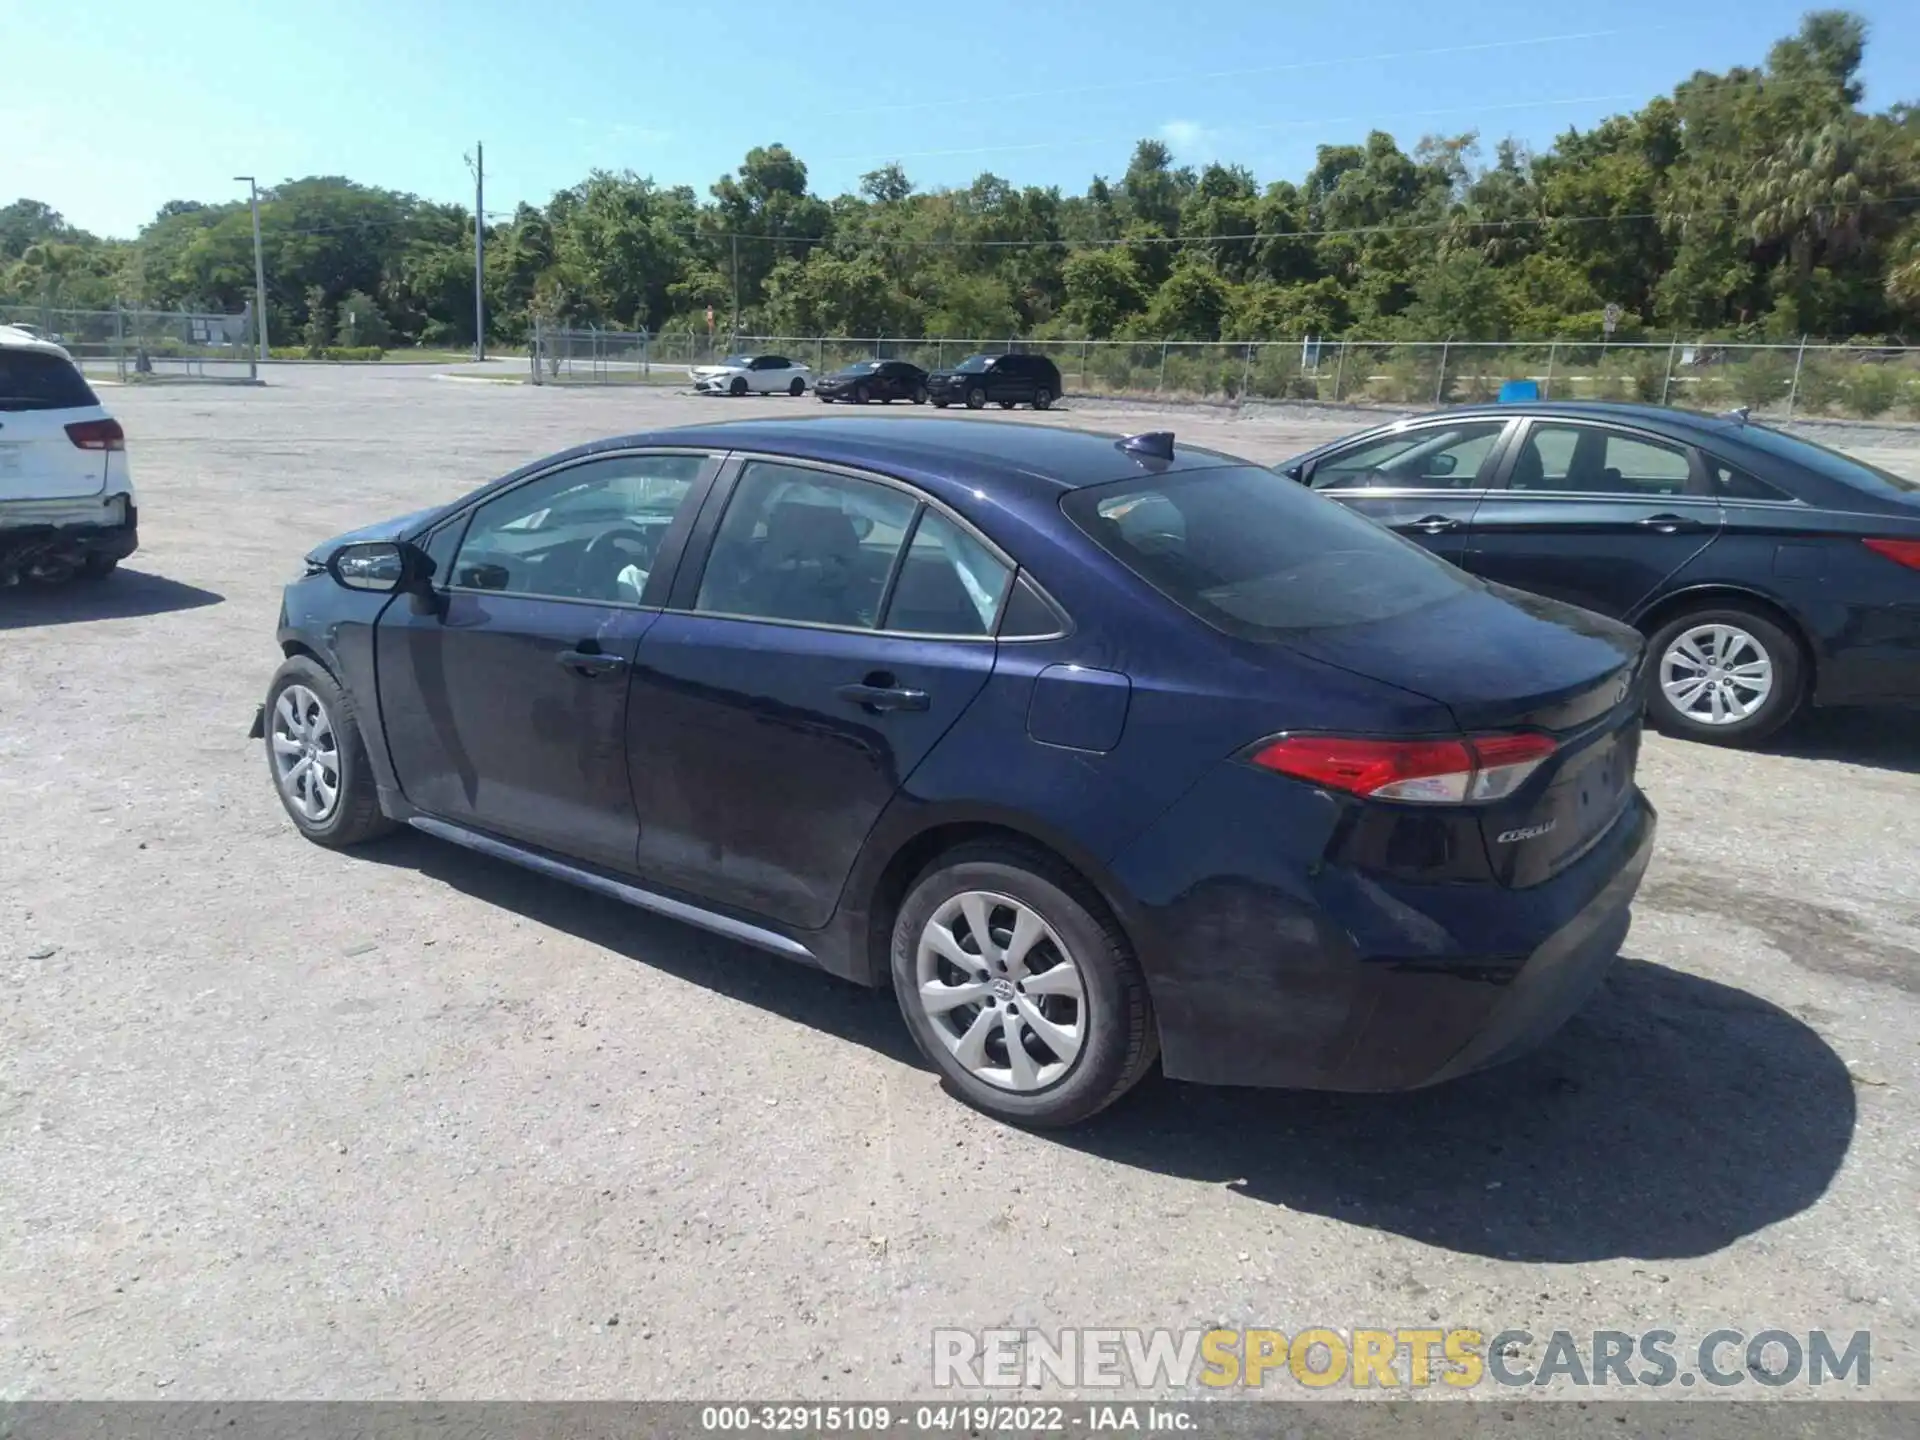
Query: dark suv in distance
[1007,380]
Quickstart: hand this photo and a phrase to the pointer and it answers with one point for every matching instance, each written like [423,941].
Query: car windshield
[1258,556]
[1830,463]
[861,367]
[974,364]
[35,380]
[740,360]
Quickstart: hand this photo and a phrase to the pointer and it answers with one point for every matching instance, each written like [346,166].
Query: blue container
[1513,392]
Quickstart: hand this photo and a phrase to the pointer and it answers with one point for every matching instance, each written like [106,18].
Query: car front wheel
[1726,676]
[318,759]
[1019,989]
[976,399]
[738,387]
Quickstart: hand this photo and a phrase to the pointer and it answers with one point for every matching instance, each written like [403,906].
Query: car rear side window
[1256,555]
[1732,484]
[35,380]
[805,545]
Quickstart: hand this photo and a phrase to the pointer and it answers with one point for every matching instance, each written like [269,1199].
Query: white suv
[66,497]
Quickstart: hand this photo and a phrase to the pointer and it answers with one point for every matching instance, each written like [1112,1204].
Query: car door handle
[1435,524]
[591,663]
[1670,524]
[883,697]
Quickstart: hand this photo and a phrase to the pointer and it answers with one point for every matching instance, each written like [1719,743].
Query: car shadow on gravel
[1670,1118]
[1883,738]
[123,595]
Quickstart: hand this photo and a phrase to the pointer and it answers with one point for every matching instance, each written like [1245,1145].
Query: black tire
[941,404]
[1043,399]
[356,816]
[920,397]
[98,567]
[797,388]
[1781,650]
[860,395]
[976,399]
[738,387]
[1121,1042]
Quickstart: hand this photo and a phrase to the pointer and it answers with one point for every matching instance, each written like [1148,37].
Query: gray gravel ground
[279,1122]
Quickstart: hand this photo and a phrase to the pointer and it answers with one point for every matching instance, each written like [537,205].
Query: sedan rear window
[1822,461]
[1259,556]
[35,380]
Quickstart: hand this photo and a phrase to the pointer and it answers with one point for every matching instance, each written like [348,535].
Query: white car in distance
[753,375]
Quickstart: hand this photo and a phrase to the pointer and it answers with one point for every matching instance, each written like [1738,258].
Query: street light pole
[259,266]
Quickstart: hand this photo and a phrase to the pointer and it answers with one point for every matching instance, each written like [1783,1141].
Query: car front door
[505,700]
[839,626]
[1423,480]
[1596,515]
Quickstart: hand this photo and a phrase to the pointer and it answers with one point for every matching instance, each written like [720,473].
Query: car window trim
[672,545]
[1699,482]
[685,591]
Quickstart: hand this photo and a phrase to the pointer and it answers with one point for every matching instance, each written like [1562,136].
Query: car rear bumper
[70,542]
[1347,983]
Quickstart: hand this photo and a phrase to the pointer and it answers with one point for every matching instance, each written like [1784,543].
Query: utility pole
[478,164]
[259,266]
[734,340]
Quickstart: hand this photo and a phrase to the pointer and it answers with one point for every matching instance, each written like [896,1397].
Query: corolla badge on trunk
[1528,832]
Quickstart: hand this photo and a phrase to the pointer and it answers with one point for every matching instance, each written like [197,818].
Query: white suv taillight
[97,435]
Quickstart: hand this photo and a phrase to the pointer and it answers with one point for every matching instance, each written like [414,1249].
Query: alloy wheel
[1001,991]
[306,753]
[1716,674]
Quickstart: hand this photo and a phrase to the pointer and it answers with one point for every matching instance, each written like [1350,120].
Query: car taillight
[1901,552]
[1429,772]
[97,435]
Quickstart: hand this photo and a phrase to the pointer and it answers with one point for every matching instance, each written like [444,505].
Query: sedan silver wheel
[1001,991]
[1716,674]
[306,754]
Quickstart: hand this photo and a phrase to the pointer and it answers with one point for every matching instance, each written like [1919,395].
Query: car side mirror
[383,566]
[1442,464]
[1296,473]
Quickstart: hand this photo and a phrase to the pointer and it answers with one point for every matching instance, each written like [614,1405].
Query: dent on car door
[1594,515]
[838,628]
[1424,481]
[504,700]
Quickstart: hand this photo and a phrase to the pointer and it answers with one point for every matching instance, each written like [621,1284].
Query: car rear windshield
[1830,463]
[1259,556]
[35,380]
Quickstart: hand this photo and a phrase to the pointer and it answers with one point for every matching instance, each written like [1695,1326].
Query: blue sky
[111,107]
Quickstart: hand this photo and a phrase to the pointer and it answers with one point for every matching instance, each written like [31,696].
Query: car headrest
[810,532]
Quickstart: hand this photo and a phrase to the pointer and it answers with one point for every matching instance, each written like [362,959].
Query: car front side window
[588,532]
[1448,457]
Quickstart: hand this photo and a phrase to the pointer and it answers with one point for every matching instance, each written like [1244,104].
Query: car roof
[1036,459]
[1688,423]
[14,338]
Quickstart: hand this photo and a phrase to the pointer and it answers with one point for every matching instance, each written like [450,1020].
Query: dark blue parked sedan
[1096,750]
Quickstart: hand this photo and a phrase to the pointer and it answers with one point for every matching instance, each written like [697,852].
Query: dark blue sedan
[1096,750]
[1768,572]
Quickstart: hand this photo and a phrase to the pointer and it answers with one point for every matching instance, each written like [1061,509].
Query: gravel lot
[278,1122]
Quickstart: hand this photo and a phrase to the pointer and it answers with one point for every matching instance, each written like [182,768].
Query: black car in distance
[865,380]
[1006,380]
[1768,572]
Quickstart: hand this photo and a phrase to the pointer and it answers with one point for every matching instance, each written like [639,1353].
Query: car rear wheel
[976,399]
[1042,398]
[1726,676]
[798,387]
[318,759]
[1018,987]
[739,385]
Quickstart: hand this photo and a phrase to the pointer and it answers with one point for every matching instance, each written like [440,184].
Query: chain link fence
[1780,381]
[563,355]
[142,345]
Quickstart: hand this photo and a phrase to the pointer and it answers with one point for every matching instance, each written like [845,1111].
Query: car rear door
[771,373]
[837,627]
[1424,479]
[505,700]
[1599,515]
[41,395]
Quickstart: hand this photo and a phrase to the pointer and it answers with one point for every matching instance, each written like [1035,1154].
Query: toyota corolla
[1095,750]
